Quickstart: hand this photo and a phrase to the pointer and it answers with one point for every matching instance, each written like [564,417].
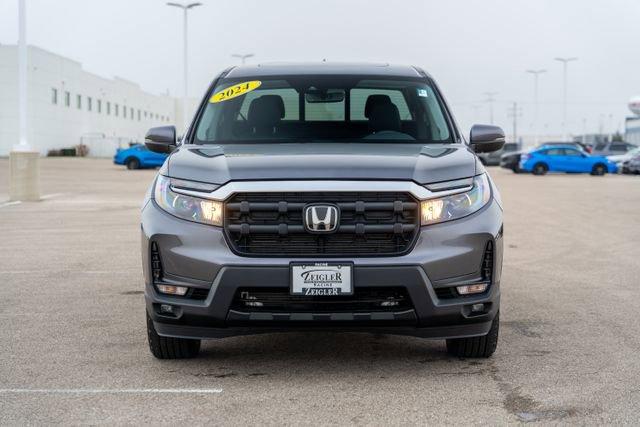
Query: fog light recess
[172,290]
[476,288]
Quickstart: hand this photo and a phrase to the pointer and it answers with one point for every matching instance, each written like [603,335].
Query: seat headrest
[385,117]
[266,111]
[373,100]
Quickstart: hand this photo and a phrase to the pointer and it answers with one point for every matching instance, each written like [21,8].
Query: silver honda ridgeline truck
[325,196]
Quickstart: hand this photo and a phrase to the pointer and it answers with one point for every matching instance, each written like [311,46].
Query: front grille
[371,223]
[279,300]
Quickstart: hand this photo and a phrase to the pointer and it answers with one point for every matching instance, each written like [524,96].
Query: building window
[54,96]
[89,103]
[67,99]
[108,108]
[145,114]
[131,111]
[138,114]
[117,108]
[99,105]
[79,101]
[124,111]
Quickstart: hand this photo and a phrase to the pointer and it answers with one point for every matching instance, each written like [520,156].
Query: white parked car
[619,159]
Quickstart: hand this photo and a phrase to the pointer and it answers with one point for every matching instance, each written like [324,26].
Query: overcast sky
[470,47]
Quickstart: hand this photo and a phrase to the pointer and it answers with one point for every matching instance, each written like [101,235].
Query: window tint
[555,152]
[312,113]
[359,100]
[619,147]
[572,152]
[325,111]
[289,98]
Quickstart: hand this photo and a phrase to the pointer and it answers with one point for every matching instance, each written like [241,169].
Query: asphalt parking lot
[73,339]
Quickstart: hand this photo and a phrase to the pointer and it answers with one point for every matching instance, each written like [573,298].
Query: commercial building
[68,105]
[632,130]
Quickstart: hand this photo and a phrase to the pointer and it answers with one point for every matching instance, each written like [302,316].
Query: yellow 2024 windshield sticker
[235,91]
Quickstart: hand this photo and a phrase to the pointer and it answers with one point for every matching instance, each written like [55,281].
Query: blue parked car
[139,156]
[564,158]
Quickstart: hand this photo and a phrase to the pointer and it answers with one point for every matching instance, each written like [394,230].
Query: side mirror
[161,139]
[486,138]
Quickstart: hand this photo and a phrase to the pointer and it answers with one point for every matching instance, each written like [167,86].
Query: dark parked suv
[323,197]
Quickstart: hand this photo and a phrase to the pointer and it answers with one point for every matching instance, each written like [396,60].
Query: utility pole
[24,176]
[514,113]
[243,57]
[536,75]
[564,61]
[185,8]
[490,100]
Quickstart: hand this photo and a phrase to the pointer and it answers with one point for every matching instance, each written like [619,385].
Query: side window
[555,152]
[571,152]
[621,148]
[601,146]
[289,97]
[359,100]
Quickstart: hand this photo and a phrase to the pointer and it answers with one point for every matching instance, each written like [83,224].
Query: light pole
[24,176]
[243,57]
[564,61]
[185,8]
[514,112]
[536,74]
[490,99]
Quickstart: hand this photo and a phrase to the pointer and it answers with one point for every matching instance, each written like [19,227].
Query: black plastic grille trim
[364,299]
[487,263]
[156,264]
[371,224]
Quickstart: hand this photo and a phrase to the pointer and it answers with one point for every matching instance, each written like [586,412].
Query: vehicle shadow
[323,355]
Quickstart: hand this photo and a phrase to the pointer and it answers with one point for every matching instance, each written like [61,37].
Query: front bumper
[447,254]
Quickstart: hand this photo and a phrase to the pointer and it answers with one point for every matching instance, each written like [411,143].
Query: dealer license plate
[322,279]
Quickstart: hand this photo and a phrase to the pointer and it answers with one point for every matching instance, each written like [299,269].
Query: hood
[618,158]
[423,164]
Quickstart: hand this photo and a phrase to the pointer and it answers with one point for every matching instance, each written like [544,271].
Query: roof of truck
[324,67]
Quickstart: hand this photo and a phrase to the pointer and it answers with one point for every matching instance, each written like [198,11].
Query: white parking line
[111,391]
[51,196]
[17,202]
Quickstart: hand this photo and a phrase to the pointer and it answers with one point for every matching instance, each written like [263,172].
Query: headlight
[458,205]
[187,207]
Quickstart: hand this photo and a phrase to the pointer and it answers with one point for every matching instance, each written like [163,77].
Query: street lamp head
[184,5]
[565,60]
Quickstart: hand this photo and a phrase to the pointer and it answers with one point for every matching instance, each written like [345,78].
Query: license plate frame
[321,287]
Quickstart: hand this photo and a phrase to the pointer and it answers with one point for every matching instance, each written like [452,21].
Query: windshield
[322,108]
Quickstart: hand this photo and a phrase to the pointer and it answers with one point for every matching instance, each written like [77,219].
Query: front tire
[599,169]
[170,348]
[476,347]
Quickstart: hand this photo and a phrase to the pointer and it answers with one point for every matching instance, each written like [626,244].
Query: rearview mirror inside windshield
[313,95]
